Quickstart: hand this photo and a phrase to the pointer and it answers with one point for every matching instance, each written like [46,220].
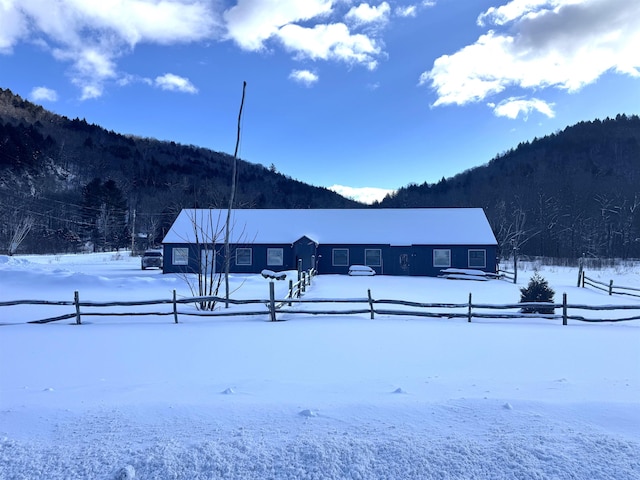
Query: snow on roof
[389,226]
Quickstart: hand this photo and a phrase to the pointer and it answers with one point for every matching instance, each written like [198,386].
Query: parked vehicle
[151,258]
[361,270]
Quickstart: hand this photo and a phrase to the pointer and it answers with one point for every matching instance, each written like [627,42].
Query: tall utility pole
[234,174]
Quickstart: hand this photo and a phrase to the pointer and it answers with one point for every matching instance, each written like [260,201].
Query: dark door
[405,266]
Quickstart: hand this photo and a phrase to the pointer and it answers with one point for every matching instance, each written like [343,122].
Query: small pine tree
[538,290]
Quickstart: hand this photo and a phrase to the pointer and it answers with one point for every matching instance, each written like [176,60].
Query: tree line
[66,185]
[73,185]
[572,193]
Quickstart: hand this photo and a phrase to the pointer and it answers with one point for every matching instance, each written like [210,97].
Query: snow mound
[399,390]
[126,473]
[308,413]
[228,391]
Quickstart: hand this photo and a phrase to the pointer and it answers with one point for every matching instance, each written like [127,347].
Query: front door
[405,266]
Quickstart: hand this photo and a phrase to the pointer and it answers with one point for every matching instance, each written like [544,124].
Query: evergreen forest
[572,193]
[67,185]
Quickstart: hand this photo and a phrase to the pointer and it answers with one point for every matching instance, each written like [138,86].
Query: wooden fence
[293,304]
[507,275]
[585,281]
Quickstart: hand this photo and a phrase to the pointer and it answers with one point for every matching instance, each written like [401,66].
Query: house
[405,241]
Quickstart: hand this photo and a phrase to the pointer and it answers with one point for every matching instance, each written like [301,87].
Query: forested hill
[65,182]
[571,193]
[73,181]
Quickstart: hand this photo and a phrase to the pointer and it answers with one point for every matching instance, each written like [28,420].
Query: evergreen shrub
[538,290]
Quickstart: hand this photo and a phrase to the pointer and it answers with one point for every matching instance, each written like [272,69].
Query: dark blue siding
[404,260]
[396,260]
[258,258]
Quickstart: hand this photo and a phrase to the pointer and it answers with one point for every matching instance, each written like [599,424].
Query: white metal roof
[388,226]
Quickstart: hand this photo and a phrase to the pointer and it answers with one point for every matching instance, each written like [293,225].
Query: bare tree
[206,281]
[234,174]
[19,231]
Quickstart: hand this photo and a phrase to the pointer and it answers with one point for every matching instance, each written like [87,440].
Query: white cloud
[366,195]
[175,83]
[513,107]
[552,43]
[251,23]
[91,36]
[304,76]
[13,26]
[408,11]
[365,13]
[330,42]
[514,10]
[40,94]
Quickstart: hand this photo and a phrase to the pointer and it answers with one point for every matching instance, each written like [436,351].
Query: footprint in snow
[126,473]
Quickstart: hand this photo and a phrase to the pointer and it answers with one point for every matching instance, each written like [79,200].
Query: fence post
[610,287]
[272,302]
[580,272]
[175,308]
[290,291]
[371,304]
[76,301]
[564,309]
[469,312]
[303,283]
[583,277]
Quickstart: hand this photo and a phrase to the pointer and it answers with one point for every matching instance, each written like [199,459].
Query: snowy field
[312,397]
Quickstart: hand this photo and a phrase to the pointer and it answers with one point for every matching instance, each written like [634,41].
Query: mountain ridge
[573,192]
[48,156]
[570,193]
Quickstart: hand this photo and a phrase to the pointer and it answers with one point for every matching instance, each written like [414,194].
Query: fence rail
[507,275]
[585,281]
[372,307]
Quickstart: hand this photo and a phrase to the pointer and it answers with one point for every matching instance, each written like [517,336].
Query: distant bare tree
[19,230]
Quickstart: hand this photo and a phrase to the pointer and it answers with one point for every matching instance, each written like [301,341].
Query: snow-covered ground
[315,396]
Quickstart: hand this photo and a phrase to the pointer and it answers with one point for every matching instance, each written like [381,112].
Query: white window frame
[275,257]
[379,264]
[250,256]
[333,257]
[442,265]
[484,258]
[180,256]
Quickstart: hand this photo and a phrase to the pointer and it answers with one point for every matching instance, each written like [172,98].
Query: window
[275,256]
[442,257]
[243,256]
[180,256]
[477,258]
[373,257]
[340,257]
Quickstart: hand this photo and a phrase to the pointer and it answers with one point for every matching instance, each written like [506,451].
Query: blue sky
[362,95]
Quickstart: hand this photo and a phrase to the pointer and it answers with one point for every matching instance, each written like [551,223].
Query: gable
[393,226]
